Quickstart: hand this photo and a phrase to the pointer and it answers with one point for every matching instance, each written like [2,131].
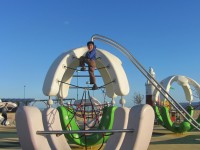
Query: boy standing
[89,59]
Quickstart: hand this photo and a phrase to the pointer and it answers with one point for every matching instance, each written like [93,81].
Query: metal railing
[84,131]
[154,82]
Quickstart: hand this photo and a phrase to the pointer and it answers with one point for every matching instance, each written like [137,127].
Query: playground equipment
[10,106]
[93,139]
[60,73]
[128,129]
[162,107]
[152,80]
[42,130]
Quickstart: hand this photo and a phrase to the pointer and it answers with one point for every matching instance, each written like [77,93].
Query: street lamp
[24,91]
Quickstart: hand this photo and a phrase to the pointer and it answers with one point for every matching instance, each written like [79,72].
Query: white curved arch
[115,71]
[60,71]
[9,104]
[183,81]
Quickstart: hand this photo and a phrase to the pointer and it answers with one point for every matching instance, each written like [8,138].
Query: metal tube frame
[154,82]
[84,131]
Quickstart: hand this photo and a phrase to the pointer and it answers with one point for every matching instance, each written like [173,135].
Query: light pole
[77,83]
[24,91]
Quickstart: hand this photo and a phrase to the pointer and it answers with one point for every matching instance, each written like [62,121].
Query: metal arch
[154,82]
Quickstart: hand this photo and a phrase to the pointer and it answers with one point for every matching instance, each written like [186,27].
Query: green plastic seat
[68,122]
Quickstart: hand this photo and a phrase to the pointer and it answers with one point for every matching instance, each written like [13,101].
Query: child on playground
[89,59]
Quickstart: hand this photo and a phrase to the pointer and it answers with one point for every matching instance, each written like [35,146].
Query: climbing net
[86,111]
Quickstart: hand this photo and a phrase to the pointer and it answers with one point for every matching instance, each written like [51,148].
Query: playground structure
[10,106]
[165,113]
[130,128]
[117,125]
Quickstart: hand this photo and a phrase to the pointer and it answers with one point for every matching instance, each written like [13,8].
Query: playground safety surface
[162,139]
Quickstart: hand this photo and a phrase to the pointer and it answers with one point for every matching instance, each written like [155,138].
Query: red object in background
[173,117]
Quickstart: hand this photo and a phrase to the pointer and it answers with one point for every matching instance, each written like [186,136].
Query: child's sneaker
[83,69]
[94,87]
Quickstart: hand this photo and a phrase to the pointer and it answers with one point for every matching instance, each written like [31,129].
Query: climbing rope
[106,84]
[90,88]
[85,66]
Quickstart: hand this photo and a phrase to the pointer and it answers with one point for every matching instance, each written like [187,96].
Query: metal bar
[84,131]
[41,100]
[85,87]
[85,66]
[150,78]
[85,76]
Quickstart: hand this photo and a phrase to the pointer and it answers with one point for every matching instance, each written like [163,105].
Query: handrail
[84,131]
[154,82]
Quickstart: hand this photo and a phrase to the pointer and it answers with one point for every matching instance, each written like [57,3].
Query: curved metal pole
[154,82]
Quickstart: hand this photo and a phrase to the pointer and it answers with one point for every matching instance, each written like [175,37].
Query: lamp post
[24,91]
[77,83]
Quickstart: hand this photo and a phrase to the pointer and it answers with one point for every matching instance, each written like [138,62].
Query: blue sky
[163,34]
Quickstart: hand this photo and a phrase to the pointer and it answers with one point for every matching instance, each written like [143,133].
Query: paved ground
[162,139]
[8,138]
